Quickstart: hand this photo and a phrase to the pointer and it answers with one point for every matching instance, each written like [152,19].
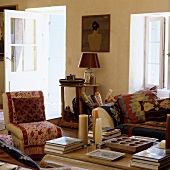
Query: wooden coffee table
[79,158]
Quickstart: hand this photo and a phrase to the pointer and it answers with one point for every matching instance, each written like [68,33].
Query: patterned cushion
[130,105]
[116,114]
[156,110]
[7,139]
[18,155]
[28,110]
[154,89]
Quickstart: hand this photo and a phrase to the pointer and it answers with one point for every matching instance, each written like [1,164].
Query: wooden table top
[121,163]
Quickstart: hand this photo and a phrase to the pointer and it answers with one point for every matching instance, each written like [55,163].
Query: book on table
[148,166]
[152,158]
[63,148]
[57,151]
[153,154]
[64,141]
[107,134]
[63,144]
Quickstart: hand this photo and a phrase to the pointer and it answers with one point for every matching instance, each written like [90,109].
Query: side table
[79,91]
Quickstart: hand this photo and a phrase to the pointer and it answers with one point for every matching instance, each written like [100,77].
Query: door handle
[168,54]
[8,58]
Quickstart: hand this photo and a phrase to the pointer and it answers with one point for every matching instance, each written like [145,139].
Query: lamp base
[87,74]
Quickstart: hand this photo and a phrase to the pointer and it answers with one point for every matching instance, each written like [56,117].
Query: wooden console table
[79,91]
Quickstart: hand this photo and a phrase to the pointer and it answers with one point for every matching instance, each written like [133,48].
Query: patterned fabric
[18,155]
[35,133]
[130,105]
[153,129]
[116,113]
[19,95]
[28,109]
[29,137]
[7,138]
[156,110]
[154,89]
[149,124]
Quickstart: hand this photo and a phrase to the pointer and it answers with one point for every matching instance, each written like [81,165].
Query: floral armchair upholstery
[24,117]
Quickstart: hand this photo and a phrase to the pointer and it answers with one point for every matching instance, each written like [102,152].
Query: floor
[71,132]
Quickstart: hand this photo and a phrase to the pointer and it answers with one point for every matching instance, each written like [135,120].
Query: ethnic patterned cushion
[28,109]
[156,110]
[130,105]
[154,89]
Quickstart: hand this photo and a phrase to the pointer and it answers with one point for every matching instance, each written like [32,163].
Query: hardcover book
[56,147]
[56,151]
[148,166]
[153,154]
[64,141]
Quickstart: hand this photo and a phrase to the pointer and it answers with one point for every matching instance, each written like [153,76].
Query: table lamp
[88,61]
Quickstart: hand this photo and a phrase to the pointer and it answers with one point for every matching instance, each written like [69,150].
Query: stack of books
[151,158]
[107,133]
[63,145]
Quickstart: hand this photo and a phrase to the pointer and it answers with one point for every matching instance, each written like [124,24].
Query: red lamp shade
[89,60]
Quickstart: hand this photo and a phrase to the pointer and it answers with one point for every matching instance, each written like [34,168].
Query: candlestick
[95,116]
[83,128]
[98,131]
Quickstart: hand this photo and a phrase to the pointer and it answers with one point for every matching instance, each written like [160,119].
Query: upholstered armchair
[24,117]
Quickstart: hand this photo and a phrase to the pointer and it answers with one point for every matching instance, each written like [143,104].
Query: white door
[24,59]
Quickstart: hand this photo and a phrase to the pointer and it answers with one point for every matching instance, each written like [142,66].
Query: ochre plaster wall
[114,71]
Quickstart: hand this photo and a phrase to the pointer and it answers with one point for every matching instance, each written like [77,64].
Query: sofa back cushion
[130,105]
[156,110]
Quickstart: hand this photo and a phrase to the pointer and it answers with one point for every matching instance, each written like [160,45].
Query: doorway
[55,40]
[49,50]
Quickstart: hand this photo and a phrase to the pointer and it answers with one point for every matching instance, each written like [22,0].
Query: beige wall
[114,71]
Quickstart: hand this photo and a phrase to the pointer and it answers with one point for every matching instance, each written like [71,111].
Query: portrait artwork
[96,33]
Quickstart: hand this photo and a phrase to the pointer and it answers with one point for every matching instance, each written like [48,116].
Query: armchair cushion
[28,110]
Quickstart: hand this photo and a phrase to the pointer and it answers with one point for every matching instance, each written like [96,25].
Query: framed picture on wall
[96,33]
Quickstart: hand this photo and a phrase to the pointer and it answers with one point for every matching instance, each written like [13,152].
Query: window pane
[154,31]
[153,74]
[154,49]
[23,31]
[24,58]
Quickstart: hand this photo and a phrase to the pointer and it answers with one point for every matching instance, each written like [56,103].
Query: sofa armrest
[107,120]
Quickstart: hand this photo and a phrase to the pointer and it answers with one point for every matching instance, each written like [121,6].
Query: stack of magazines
[63,145]
[151,158]
[107,133]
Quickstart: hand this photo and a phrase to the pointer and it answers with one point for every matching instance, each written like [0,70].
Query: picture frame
[96,33]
